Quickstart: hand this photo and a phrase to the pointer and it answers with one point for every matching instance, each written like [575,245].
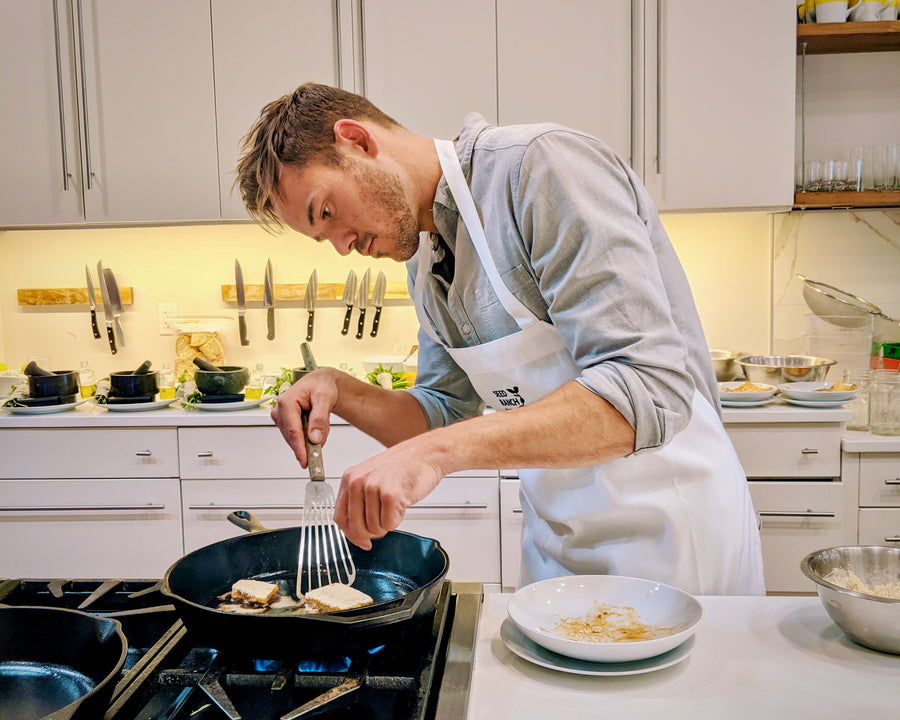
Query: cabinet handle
[792,513]
[87,130]
[809,451]
[517,511]
[59,92]
[892,539]
[79,508]
[143,453]
[450,506]
[205,454]
[892,481]
[243,506]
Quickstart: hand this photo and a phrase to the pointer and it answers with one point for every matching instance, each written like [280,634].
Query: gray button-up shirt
[577,239]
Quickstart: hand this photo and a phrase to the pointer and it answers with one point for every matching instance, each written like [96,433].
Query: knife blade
[241,301]
[92,301]
[312,288]
[349,298]
[362,300]
[269,301]
[107,308]
[112,287]
[378,301]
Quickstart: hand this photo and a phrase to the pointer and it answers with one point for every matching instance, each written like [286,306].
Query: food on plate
[839,386]
[745,387]
[849,580]
[610,624]
[255,597]
[337,596]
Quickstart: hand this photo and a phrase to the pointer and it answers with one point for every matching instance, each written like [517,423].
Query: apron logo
[509,398]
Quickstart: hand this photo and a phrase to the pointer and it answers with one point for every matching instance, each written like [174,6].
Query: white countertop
[780,410]
[753,657]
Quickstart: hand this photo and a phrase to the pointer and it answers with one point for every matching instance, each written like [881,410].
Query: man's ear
[354,136]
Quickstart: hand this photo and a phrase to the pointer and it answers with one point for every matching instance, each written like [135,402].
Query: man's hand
[316,392]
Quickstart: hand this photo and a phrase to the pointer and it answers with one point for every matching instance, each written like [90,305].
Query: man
[545,287]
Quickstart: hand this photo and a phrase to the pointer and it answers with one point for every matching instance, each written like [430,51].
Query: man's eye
[326,212]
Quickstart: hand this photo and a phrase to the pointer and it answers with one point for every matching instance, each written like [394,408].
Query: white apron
[681,514]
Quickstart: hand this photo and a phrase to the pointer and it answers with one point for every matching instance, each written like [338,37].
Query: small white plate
[44,409]
[137,407]
[725,392]
[815,403]
[515,640]
[227,407]
[813,392]
[752,403]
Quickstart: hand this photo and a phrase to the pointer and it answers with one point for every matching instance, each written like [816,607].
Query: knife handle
[270,323]
[112,339]
[362,323]
[375,322]
[347,314]
[94,326]
[309,326]
[242,324]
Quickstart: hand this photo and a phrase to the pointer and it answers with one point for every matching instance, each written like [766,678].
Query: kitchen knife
[363,301]
[107,308]
[112,287]
[269,301]
[349,298]
[312,288]
[92,301]
[378,300]
[241,301]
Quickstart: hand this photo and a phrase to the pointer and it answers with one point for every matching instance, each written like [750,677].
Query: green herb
[398,382]
[286,377]
[13,402]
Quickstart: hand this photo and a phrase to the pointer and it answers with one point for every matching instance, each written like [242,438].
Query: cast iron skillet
[402,573]
[57,664]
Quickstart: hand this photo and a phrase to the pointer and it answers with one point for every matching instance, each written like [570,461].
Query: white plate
[745,397]
[752,403]
[226,407]
[515,640]
[815,403]
[538,608]
[812,391]
[44,409]
[137,407]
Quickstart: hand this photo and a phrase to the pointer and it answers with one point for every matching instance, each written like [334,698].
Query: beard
[381,189]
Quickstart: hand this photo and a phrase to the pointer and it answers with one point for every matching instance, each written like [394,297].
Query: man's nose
[343,242]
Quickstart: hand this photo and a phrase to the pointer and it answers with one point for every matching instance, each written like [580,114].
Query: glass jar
[860,405]
[166,381]
[884,403]
[87,381]
[254,389]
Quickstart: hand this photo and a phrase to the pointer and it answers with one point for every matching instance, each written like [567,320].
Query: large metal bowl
[870,620]
[777,369]
[724,364]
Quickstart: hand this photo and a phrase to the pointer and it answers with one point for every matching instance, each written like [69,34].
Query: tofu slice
[254,591]
[337,596]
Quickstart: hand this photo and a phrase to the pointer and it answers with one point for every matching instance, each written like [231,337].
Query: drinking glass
[882,173]
[884,403]
[859,407]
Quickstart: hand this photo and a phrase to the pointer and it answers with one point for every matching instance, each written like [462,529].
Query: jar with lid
[87,381]
[884,403]
[166,382]
[254,389]
[859,406]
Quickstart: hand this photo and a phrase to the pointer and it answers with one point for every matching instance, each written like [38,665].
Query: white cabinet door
[256,62]
[428,63]
[719,104]
[568,62]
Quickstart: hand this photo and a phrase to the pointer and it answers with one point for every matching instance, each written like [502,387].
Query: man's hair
[296,129]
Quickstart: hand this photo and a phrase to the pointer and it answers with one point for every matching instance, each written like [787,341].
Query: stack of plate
[815,394]
[729,396]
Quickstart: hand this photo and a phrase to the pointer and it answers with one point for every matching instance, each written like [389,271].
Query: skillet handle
[404,611]
[246,521]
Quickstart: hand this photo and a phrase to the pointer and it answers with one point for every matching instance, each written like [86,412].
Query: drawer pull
[450,506]
[205,454]
[892,539]
[243,506]
[79,508]
[794,513]
[517,511]
[892,481]
[143,453]
[809,451]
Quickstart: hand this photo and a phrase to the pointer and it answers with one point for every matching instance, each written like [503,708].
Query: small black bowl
[128,384]
[61,382]
[227,380]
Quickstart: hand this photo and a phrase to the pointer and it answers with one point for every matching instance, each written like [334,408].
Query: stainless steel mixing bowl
[777,369]
[870,620]
[724,364]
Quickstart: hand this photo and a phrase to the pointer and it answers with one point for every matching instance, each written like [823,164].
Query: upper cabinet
[111,117]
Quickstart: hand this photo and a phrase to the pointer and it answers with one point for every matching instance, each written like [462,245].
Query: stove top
[422,674]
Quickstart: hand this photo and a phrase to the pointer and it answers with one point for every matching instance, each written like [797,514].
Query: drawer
[261,452]
[89,453]
[879,526]
[788,450]
[796,518]
[879,480]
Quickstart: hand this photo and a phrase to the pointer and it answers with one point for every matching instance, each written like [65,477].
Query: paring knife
[107,308]
[92,301]
[349,298]
[378,300]
[312,288]
[241,301]
[363,301]
[112,286]
[269,301]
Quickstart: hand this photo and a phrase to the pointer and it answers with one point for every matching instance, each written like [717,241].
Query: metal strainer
[839,307]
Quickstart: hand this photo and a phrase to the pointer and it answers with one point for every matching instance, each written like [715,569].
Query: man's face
[358,206]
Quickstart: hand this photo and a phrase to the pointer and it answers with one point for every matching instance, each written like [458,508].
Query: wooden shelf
[67,296]
[830,200]
[848,37]
[396,290]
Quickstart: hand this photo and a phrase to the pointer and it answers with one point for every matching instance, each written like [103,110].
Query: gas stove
[423,673]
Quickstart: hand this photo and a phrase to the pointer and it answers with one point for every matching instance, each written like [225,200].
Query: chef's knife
[378,300]
[92,301]
[107,308]
[349,298]
[363,301]
[312,288]
[241,301]
[112,287]
[269,301]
